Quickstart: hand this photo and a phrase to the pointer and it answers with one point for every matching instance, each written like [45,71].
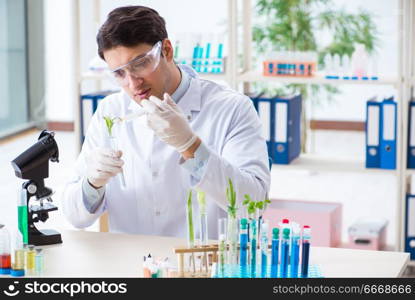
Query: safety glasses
[139,67]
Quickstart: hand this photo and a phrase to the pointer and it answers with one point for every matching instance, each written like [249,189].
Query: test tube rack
[289,68]
[207,255]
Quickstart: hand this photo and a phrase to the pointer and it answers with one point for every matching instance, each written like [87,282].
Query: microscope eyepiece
[33,163]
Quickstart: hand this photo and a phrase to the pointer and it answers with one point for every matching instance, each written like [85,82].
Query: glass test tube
[253,247]
[275,252]
[222,246]
[232,241]
[39,263]
[305,251]
[22,216]
[115,146]
[295,251]
[264,249]
[5,256]
[18,255]
[243,241]
[30,260]
[285,245]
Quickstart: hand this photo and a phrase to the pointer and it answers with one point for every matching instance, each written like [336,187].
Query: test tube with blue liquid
[285,252]
[264,249]
[243,242]
[253,236]
[295,250]
[275,245]
[305,256]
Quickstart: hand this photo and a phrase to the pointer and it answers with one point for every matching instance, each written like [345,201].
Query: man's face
[139,87]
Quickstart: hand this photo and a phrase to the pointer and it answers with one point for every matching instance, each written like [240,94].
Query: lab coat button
[157,213]
[155,174]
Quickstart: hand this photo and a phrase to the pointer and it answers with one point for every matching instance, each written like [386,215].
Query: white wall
[60,60]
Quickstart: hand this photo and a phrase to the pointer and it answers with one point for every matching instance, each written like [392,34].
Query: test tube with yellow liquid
[18,255]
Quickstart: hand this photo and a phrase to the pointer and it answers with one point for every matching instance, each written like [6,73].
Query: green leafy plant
[231,196]
[295,25]
[191,234]
[252,206]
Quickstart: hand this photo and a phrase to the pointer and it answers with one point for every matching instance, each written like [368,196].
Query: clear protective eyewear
[139,67]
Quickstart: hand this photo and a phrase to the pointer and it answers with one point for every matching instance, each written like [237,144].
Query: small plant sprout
[252,206]
[110,122]
[191,234]
[231,196]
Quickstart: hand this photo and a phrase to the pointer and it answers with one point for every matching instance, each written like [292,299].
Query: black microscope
[33,164]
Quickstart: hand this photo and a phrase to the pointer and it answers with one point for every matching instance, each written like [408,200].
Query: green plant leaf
[109,122]
[191,234]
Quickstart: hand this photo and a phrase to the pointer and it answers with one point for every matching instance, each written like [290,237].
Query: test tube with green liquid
[22,216]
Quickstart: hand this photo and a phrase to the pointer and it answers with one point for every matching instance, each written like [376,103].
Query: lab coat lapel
[191,101]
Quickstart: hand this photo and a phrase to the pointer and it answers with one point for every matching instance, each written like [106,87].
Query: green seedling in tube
[232,233]
[191,234]
[109,122]
[231,196]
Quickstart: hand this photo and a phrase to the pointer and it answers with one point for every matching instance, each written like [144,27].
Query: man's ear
[167,50]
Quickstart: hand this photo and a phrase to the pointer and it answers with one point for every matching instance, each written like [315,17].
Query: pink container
[368,234]
[325,218]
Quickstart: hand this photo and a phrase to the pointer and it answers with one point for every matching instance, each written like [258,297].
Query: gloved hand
[169,123]
[102,164]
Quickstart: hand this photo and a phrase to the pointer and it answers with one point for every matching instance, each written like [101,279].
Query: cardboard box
[324,218]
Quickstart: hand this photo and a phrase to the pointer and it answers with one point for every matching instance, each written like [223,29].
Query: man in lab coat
[195,134]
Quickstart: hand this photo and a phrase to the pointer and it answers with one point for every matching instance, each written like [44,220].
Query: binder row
[381,127]
[281,126]
[89,104]
[410,225]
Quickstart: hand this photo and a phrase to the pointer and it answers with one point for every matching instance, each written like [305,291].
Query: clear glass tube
[203,220]
[115,146]
[232,240]
[203,234]
[30,259]
[39,263]
[5,256]
[222,225]
[264,249]
[18,255]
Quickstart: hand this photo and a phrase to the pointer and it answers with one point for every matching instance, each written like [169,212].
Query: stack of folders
[410,218]
[381,133]
[281,125]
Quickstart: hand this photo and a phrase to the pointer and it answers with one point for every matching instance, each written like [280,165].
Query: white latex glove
[102,164]
[168,122]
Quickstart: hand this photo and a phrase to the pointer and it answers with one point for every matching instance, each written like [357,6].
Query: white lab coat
[154,199]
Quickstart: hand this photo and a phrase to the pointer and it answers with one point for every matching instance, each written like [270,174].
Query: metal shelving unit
[403,84]
[253,76]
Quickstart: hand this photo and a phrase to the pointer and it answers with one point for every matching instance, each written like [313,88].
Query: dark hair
[130,26]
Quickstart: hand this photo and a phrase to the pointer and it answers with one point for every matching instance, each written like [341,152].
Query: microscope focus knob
[32,188]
